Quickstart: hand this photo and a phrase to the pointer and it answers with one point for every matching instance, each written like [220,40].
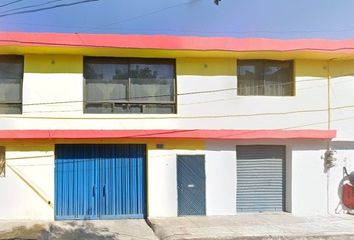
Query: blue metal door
[123,182]
[76,182]
[99,181]
[191,184]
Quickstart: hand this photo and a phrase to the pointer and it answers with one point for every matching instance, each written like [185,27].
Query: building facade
[119,126]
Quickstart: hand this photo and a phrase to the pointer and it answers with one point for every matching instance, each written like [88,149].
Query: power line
[172,154]
[31,6]
[10,3]
[184,31]
[138,16]
[118,47]
[182,94]
[47,8]
[169,7]
[187,117]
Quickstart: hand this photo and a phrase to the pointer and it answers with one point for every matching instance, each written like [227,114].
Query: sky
[279,19]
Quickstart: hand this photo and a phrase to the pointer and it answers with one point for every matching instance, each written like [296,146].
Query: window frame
[20,102]
[263,62]
[128,102]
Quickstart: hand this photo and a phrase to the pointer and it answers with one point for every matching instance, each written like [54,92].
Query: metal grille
[191,184]
[260,178]
[100,181]
[2,161]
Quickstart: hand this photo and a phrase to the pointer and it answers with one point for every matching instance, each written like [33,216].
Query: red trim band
[173,42]
[167,134]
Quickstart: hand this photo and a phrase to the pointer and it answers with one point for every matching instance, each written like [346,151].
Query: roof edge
[172,42]
[205,134]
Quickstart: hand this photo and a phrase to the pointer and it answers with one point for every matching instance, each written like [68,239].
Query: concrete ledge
[254,226]
[92,230]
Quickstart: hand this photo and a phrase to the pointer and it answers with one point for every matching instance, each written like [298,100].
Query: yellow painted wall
[53,64]
[30,172]
[206,66]
[114,52]
[58,78]
[342,68]
[48,145]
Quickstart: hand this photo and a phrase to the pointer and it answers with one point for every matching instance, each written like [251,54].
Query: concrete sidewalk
[255,226]
[75,230]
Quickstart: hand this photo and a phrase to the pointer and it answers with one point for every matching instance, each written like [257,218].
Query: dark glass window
[265,78]
[11,74]
[120,85]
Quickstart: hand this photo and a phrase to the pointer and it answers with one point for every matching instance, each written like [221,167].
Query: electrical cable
[47,8]
[172,154]
[31,6]
[178,94]
[137,17]
[10,3]
[235,98]
[177,31]
[40,43]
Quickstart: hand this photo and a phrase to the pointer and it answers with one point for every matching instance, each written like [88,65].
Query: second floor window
[11,74]
[121,85]
[265,78]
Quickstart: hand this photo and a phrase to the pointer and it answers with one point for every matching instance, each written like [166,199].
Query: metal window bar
[248,87]
[128,102]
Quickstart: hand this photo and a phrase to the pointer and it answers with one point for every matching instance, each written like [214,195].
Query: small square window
[265,78]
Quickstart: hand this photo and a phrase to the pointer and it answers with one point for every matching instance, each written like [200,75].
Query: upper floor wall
[206,98]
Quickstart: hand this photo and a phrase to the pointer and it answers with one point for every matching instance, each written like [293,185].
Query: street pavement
[76,230]
[255,226]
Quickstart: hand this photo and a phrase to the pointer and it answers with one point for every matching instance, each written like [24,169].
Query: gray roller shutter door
[260,178]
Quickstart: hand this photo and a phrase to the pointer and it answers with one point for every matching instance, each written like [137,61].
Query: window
[11,73]
[120,85]
[265,78]
[2,161]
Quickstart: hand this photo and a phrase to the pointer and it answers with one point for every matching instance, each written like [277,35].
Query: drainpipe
[328,128]
[328,99]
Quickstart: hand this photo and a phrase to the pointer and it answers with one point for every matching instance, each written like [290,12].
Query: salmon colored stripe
[167,134]
[168,42]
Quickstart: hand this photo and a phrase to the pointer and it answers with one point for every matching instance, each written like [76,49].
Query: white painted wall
[17,199]
[220,171]
[203,111]
[342,88]
[162,183]
[309,195]
[306,181]
[219,110]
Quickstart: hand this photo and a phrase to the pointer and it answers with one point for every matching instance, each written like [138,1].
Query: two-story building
[129,126]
